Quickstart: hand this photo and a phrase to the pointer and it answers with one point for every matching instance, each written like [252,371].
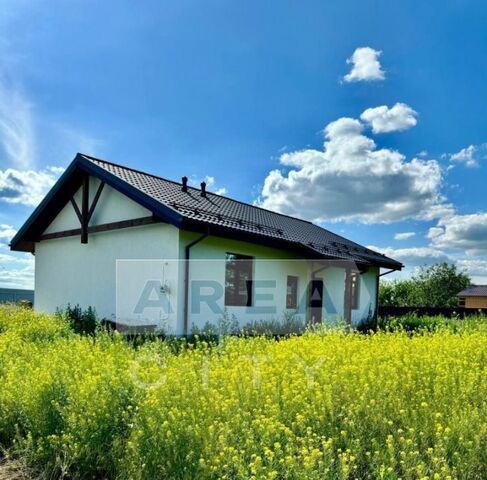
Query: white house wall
[368,296]
[208,262]
[334,294]
[70,272]
[67,271]
[86,274]
[270,264]
[112,207]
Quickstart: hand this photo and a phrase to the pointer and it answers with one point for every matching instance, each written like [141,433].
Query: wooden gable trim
[84,215]
[104,227]
[66,187]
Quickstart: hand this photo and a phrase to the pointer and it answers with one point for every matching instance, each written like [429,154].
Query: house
[16,295]
[145,250]
[474,296]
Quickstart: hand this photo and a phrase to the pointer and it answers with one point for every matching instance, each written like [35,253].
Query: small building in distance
[16,295]
[474,296]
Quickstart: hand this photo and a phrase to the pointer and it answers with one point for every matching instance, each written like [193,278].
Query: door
[316,301]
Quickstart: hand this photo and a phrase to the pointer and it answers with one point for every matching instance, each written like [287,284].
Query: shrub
[81,321]
[423,323]
[434,286]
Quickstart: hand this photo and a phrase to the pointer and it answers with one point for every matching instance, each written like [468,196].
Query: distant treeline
[434,287]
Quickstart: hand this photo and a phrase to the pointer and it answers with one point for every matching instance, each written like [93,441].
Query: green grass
[324,405]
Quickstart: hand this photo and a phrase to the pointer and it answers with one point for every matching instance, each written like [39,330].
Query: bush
[434,286]
[424,323]
[81,321]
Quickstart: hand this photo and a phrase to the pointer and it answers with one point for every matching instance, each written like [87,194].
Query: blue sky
[246,92]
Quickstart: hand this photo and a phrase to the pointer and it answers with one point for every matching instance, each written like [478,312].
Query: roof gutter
[386,273]
[187,249]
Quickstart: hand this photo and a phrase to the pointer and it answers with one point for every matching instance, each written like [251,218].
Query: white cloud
[470,155]
[404,235]
[467,232]
[365,65]
[414,256]
[440,210]
[353,180]
[210,184]
[27,187]
[16,269]
[16,272]
[384,119]
[7,232]
[17,136]
[474,267]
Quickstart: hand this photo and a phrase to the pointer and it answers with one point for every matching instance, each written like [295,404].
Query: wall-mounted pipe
[187,249]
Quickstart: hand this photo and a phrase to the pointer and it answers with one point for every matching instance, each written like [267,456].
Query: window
[354,290]
[461,302]
[292,292]
[238,280]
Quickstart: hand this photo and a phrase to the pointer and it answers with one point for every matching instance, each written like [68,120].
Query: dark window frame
[292,297]
[235,299]
[462,301]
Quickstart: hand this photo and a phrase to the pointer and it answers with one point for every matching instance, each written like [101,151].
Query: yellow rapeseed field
[326,405]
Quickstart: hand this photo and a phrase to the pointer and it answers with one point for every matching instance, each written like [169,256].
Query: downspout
[377,292]
[187,249]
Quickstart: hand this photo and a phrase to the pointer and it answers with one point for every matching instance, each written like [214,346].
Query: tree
[434,286]
[398,293]
[440,284]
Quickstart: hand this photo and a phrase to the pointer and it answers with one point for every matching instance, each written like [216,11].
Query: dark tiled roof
[238,216]
[474,291]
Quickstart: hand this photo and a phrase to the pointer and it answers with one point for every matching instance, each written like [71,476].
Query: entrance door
[316,301]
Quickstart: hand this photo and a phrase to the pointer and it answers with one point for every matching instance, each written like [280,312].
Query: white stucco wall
[70,272]
[368,296]
[112,206]
[334,291]
[269,265]
[67,271]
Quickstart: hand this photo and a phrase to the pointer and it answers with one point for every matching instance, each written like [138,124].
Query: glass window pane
[238,280]
[292,292]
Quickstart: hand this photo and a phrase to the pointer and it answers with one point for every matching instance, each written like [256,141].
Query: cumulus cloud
[467,232]
[27,187]
[440,210]
[16,272]
[404,235]
[16,269]
[474,267]
[7,232]
[365,66]
[470,155]
[210,184]
[414,256]
[351,179]
[384,119]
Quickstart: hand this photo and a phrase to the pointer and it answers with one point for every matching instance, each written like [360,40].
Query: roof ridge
[90,157]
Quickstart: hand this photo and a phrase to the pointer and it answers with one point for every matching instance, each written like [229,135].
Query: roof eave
[25,238]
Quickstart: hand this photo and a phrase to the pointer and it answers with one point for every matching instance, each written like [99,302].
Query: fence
[431,311]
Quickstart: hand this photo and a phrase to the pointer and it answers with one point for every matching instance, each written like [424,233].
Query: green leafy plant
[83,321]
[434,286]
